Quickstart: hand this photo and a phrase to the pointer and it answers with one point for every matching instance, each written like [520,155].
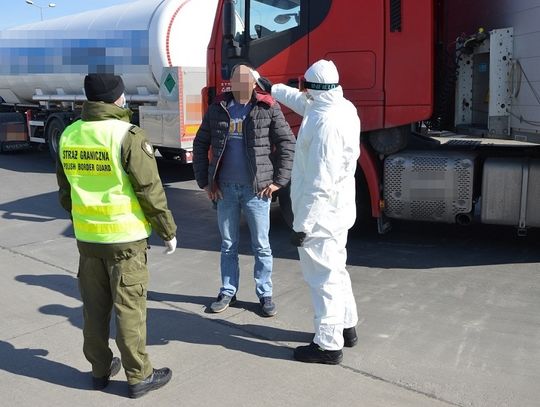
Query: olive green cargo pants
[120,282]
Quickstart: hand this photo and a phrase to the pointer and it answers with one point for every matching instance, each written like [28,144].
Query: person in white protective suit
[323,203]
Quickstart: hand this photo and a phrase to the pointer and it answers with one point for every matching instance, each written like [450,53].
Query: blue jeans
[237,198]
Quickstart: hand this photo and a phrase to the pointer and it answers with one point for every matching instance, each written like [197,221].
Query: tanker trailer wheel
[168,154]
[54,130]
[285,205]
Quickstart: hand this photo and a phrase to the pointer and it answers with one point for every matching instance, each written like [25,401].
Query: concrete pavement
[449,316]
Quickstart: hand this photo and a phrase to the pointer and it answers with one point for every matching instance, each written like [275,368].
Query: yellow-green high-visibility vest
[105,208]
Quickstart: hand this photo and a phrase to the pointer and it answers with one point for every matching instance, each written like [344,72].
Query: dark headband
[320,86]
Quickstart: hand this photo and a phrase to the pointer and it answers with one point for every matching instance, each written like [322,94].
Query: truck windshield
[266,17]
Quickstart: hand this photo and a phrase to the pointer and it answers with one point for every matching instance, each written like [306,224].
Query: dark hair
[236,66]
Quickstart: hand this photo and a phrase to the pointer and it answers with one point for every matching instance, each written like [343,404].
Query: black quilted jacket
[270,142]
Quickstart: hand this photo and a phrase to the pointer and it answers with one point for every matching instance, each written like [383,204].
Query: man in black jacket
[251,153]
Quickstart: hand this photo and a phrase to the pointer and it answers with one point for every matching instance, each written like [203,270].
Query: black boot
[99,383]
[312,353]
[159,378]
[350,338]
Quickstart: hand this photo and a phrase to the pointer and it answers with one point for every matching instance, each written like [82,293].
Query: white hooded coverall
[323,197]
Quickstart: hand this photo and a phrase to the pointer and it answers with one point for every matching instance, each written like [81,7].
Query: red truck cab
[394,57]
[383,50]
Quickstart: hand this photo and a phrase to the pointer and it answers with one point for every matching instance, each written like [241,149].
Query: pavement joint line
[400,385]
[229,324]
[10,250]
[220,321]
[37,330]
[42,241]
[234,326]
[38,241]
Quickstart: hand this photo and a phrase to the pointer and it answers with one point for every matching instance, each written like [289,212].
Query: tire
[285,205]
[364,219]
[168,154]
[54,130]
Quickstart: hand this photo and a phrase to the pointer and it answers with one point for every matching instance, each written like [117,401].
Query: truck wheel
[54,130]
[168,155]
[364,220]
[285,205]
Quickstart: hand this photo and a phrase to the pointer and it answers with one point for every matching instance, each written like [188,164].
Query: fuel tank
[135,40]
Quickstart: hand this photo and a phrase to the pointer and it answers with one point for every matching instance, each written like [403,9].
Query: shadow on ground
[166,325]
[412,245]
[33,363]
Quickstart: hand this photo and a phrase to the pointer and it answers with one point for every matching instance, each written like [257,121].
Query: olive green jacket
[141,168]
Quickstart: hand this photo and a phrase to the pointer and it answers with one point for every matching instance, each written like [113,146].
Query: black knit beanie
[103,87]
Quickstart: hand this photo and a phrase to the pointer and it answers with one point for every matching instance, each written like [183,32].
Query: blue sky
[17,12]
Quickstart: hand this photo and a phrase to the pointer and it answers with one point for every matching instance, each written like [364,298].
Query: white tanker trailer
[158,47]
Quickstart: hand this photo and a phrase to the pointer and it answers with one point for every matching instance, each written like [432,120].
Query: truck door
[352,35]
[272,36]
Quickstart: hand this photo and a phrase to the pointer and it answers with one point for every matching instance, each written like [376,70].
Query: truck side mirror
[229,30]
[229,24]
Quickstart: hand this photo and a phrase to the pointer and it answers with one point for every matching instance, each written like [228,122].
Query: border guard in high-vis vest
[110,185]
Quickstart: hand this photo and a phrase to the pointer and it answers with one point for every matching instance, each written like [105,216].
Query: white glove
[263,83]
[255,74]
[170,246]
